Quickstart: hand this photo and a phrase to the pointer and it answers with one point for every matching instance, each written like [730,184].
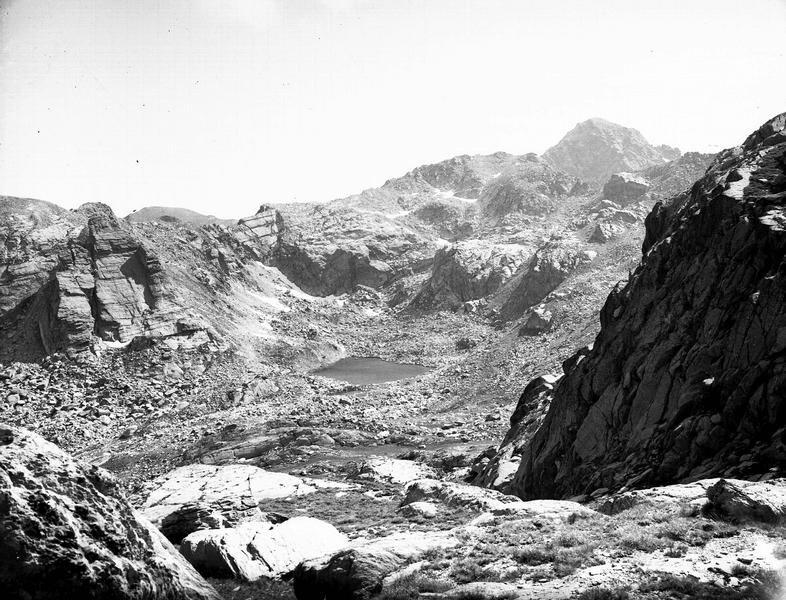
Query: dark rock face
[625,187]
[687,377]
[596,148]
[66,532]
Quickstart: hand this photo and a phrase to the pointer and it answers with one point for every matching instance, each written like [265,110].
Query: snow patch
[775,219]
[452,194]
[737,188]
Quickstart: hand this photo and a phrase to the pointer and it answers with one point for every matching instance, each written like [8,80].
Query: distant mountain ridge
[172,214]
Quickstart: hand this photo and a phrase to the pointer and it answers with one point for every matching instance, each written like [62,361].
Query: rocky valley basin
[370,370]
[532,407]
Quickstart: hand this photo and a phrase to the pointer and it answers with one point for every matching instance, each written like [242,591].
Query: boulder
[460,496]
[745,501]
[191,517]
[624,188]
[606,231]
[66,531]
[254,550]
[538,321]
[233,491]
[357,573]
[426,510]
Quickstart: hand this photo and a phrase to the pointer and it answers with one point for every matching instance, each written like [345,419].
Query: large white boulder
[251,550]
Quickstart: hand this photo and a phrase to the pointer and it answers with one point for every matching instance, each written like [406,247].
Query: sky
[222,105]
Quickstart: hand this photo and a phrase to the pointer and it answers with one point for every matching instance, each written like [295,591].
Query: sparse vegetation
[411,585]
[602,593]
[761,585]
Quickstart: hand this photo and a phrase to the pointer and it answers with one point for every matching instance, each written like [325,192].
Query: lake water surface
[365,371]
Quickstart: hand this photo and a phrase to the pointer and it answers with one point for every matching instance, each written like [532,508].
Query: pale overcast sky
[221,105]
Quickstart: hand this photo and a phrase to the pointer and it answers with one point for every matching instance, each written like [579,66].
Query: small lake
[365,371]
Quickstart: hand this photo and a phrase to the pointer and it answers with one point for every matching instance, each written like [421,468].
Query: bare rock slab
[233,490]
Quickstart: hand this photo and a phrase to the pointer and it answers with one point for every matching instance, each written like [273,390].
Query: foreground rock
[234,491]
[67,532]
[687,376]
[357,573]
[255,550]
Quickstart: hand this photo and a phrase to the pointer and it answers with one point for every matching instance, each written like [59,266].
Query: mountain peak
[596,148]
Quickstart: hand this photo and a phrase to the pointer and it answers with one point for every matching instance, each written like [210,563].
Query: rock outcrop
[470,270]
[70,278]
[596,148]
[687,376]
[67,532]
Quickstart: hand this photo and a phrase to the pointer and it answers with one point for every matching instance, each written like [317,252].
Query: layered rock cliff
[71,280]
[687,377]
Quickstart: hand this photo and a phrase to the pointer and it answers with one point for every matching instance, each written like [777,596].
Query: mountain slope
[687,377]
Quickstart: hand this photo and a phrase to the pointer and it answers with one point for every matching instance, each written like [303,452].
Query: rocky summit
[595,149]
[381,396]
